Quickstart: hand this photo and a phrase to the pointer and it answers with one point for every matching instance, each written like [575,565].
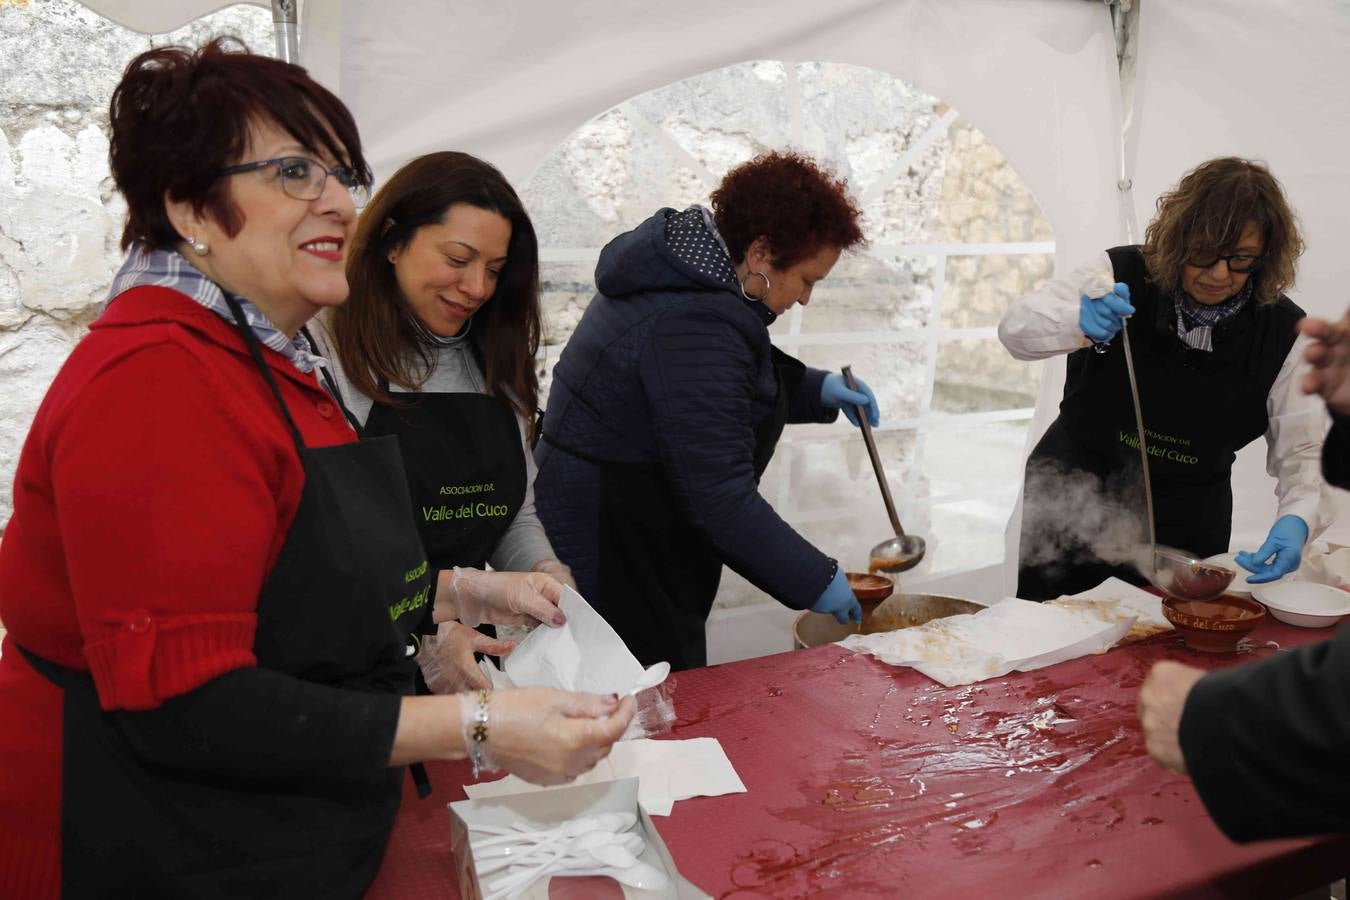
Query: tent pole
[1125,22]
[286,25]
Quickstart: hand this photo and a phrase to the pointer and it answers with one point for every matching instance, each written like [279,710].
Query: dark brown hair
[378,335]
[789,200]
[179,116]
[1204,215]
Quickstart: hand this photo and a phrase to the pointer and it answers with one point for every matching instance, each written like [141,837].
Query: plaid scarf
[1195,321]
[170,269]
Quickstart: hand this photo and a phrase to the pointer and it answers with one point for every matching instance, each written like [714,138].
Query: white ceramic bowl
[1240,585]
[1304,603]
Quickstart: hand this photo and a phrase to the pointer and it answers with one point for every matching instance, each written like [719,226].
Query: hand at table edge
[1162,698]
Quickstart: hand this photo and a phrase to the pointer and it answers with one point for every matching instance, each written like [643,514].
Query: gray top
[456,371]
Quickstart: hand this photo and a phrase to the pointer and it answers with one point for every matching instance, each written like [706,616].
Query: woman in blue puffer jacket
[669,399]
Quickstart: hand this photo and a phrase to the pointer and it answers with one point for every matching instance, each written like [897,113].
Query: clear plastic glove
[557,569]
[835,393]
[1101,318]
[838,601]
[546,736]
[1284,543]
[447,661]
[501,598]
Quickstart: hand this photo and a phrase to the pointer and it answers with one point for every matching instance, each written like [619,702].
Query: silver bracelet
[478,734]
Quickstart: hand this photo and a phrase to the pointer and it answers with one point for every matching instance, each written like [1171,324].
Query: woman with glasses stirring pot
[1218,361]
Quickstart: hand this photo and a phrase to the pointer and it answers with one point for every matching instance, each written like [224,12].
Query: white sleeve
[525,542]
[1298,426]
[1044,322]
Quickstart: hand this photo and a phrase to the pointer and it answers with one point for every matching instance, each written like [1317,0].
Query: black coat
[1268,744]
[671,365]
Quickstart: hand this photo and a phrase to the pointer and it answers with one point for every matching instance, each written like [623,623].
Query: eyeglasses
[304,178]
[1241,263]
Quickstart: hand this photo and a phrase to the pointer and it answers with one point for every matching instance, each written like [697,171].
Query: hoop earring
[767,287]
[198,247]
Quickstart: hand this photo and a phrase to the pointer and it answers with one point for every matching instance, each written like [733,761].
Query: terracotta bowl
[870,589]
[1213,626]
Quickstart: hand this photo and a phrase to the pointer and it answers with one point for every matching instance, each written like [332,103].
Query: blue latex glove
[1102,317]
[1285,543]
[838,601]
[835,394]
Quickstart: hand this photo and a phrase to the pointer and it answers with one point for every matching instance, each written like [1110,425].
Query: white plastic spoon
[614,822]
[654,675]
[621,851]
[575,845]
[516,884]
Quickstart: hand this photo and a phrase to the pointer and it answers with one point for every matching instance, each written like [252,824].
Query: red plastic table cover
[870,780]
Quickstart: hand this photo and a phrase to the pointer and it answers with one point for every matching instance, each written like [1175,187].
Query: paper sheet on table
[1011,635]
[1325,564]
[1131,600]
[667,771]
[584,654]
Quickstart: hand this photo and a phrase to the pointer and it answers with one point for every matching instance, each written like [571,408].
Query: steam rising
[1071,517]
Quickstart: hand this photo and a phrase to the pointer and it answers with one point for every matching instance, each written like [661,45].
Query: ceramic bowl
[1213,626]
[1229,561]
[1304,603]
[870,589]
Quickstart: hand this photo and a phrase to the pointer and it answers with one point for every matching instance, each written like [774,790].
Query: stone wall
[670,146]
[60,218]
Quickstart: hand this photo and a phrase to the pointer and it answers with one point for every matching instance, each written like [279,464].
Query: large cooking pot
[896,611]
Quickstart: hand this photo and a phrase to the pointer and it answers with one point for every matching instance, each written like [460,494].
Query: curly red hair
[792,202]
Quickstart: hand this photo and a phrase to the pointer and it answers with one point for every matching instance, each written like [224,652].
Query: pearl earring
[198,247]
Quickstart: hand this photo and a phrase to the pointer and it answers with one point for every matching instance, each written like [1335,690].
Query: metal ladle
[1172,571]
[904,551]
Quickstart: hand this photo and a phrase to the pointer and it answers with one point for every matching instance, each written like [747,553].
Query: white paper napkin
[667,771]
[1325,565]
[584,654]
[1011,635]
[1146,607]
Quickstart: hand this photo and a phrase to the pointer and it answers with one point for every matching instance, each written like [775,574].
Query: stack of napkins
[666,771]
[1012,635]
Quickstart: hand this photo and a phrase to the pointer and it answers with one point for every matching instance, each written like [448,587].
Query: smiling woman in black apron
[669,400]
[1218,361]
[209,584]
[437,346]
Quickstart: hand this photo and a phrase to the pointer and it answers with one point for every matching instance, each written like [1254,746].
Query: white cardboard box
[544,809]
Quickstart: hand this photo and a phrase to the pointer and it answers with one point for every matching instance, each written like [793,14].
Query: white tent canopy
[156,16]
[509,80]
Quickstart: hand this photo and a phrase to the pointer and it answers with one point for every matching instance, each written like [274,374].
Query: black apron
[336,609]
[465,467]
[1199,409]
[658,574]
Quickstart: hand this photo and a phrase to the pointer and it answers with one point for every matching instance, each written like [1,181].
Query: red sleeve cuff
[147,659]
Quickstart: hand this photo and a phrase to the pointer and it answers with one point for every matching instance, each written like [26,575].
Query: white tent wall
[157,17]
[510,81]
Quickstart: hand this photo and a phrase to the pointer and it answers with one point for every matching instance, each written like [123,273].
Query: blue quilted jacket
[671,364]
